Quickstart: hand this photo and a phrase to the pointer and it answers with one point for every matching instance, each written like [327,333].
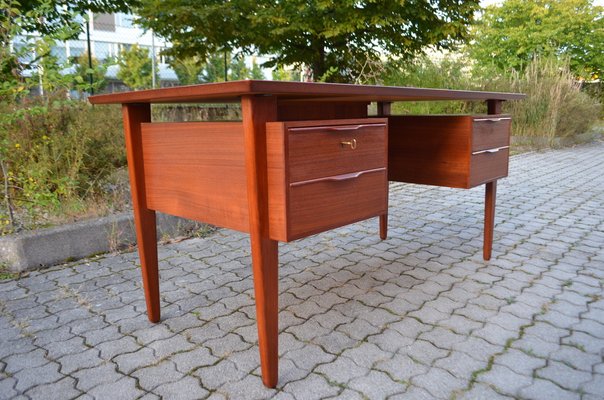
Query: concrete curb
[51,246]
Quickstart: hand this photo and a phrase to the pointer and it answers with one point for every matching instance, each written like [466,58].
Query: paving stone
[341,370]
[124,389]
[415,393]
[214,376]
[91,377]
[309,357]
[595,386]
[568,378]
[30,377]
[151,377]
[187,361]
[520,362]
[166,347]
[544,389]
[18,362]
[113,348]
[376,385]
[481,391]
[129,362]
[439,383]
[62,389]
[86,359]
[312,387]
[250,387]
[401,367]
[504,380]
[460,365]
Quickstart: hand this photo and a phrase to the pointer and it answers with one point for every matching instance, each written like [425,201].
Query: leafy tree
[325,35]
[57,14]
[188,70]
[512,34]
[83,72]
[135,68]
[256,72]
[238,69]
[280,74]
[214,69]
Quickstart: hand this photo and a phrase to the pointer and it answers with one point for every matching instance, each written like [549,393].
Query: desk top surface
[294,92]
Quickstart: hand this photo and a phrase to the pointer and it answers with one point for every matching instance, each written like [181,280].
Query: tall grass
[555,106]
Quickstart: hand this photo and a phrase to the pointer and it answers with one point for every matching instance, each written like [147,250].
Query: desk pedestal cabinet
[304,159]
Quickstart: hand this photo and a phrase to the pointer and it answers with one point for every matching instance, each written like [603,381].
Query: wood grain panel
[318,206]
[196,170]
[319,151]
[487,167]
[490,132]
[277,166]
[432,150]
[327,110]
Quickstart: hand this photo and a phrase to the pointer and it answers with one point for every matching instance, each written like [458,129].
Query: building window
[104,22]
[124,20]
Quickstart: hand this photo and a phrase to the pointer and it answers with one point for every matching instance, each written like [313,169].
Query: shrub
[56,155]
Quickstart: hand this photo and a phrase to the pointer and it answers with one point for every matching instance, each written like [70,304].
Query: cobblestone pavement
[418,316]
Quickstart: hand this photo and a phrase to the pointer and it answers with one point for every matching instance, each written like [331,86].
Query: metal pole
[153,67]
[90,77]
[226,68]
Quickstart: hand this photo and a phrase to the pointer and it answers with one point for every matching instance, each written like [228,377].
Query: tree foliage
[327,35]
[509,36]
[57,14]
[136,69]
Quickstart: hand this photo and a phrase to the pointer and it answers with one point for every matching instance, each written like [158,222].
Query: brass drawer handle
[352,143]
[492,119]
[337,178]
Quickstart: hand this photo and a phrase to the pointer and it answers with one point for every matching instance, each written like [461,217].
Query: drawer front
[488,165]
[320,151]
[491,132]
[321,204]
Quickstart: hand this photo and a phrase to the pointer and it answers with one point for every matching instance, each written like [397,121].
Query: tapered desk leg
[144,219]
[489,218]
[256,112]
[384,226]
[493,107]
[384,110]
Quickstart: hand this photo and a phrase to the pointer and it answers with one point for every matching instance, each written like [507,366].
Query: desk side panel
[432,150]
[196,170]
[276,153]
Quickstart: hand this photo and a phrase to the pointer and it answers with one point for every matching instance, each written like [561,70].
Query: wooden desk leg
[265,259]
[493,107]
[489,218]
[144,219]
[383,110]
[384,226]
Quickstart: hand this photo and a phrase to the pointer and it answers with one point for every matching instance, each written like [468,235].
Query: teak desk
[305,158]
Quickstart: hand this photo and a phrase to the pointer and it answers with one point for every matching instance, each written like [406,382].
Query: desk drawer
[318,151]
[321,204]
[487,165]
[490,132]
[325,174]
[460,151]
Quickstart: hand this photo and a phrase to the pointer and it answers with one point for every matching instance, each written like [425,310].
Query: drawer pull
[492,119]
[335,128]
[491,151]
[352,143]
[337,178]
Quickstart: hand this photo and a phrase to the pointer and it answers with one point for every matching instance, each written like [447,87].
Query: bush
[56,156]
